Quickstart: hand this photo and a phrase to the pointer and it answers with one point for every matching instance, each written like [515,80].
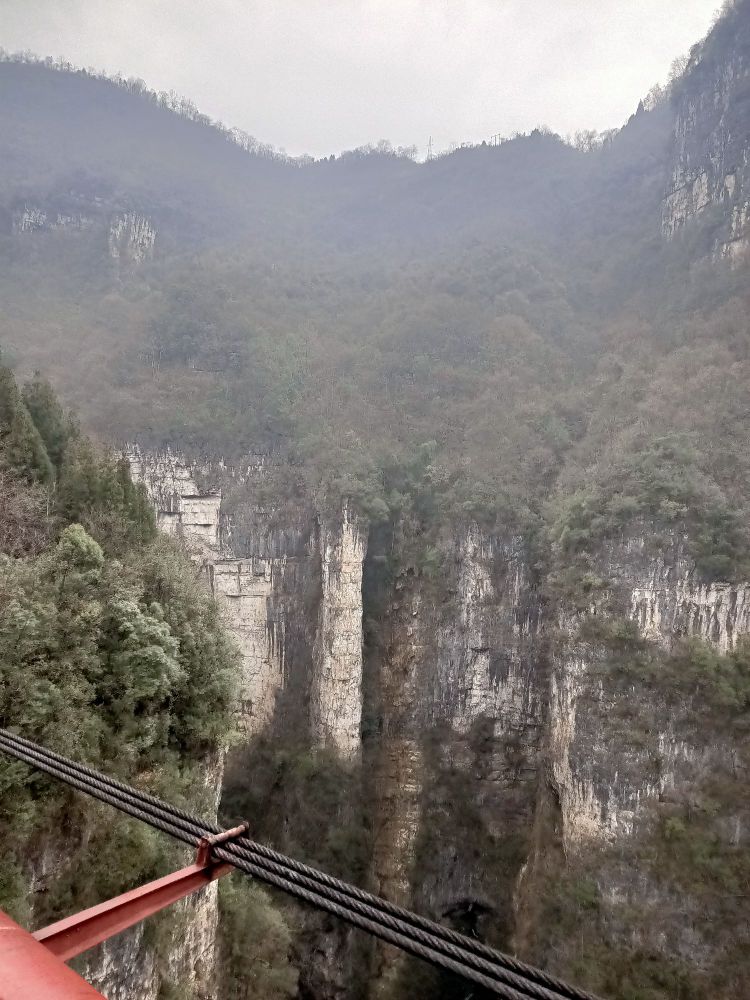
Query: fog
[318,76]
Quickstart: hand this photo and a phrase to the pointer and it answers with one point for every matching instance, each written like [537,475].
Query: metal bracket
[203,857]
[81,931]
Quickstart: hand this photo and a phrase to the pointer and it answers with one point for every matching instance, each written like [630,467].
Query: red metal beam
[73,935]
[84,930]
[29,971]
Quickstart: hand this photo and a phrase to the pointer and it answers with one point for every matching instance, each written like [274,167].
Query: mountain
[461,449]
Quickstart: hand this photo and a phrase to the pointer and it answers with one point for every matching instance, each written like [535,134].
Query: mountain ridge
[461,448]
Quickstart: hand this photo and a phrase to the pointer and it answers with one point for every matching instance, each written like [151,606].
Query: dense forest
[482,368]
[509,336]
[370,318]
[110,652]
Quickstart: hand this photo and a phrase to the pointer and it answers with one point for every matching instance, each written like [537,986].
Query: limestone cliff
[130,236]
[711,146]
[263,573]
[643,767]
[289,584]
[460,694]
[496,721]
[603,785]
[336,702]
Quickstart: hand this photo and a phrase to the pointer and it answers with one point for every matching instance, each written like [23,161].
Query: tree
[255,944]
[49,418]
[22,450]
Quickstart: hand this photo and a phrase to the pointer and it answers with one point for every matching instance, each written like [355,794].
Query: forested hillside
[465,440]
[110,652]
[478,315]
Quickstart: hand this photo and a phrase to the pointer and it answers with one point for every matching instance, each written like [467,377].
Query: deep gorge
[460,450]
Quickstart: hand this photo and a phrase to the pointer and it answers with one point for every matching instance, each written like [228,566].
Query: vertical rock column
[456,759]
[243,589]
[336,695]
[397,766]
[488,685]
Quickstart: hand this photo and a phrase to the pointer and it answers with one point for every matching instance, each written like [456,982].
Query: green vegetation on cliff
[110,652]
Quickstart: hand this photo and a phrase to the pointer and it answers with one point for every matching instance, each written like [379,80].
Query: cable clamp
[207,844]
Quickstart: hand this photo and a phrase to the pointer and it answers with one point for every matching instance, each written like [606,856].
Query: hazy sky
[319,76]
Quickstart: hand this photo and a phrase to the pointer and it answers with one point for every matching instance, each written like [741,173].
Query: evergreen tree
[22,450]
[96,490]
[54,426]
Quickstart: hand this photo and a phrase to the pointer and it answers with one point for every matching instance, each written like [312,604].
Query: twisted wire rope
[502,974]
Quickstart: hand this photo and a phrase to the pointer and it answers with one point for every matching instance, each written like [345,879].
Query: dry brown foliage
[25,522]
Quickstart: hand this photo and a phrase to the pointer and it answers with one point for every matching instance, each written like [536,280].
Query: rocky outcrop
[669,600]
[262,573]
[28,219]
[644,770]
[132,238]
[336,697]
[244,588]
[711,145]
[614,748]
[31,218]
[501,729]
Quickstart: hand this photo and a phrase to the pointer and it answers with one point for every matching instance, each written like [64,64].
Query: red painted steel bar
[29,971]
[84,930]
[81,931]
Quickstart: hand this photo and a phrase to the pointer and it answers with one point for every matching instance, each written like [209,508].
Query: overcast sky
[319,76]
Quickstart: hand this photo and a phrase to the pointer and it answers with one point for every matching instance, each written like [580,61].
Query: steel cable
[261,853]
[120,801]
[361,916]
[352,904]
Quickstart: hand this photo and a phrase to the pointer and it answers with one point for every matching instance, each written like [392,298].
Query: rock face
[290,590]
[602,790]
[481,707]
[336,699]
[132,238]
[711,147]
[461,687]
[639,763]
[28,219]
[243,587]
[264,575]
[668,600]
[31,218]
[123,968]
[127,966]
